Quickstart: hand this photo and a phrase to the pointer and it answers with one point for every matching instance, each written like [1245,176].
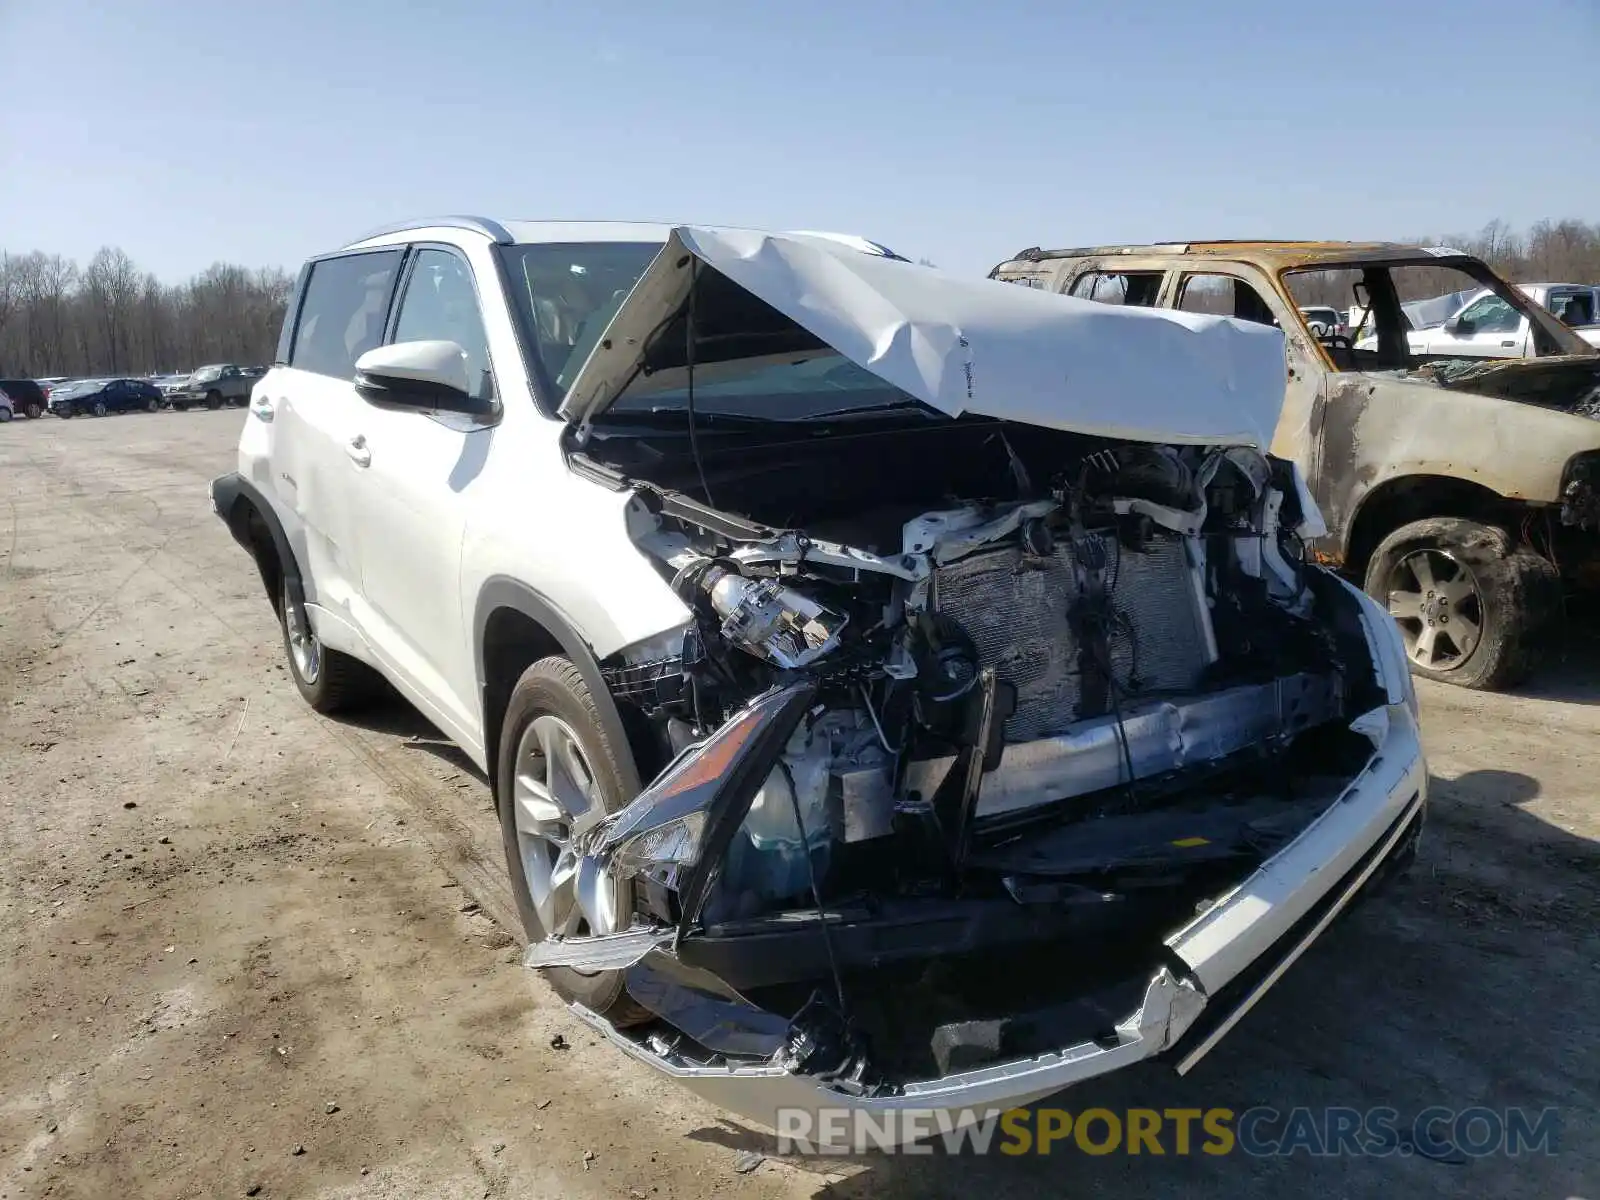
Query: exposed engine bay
[968,711]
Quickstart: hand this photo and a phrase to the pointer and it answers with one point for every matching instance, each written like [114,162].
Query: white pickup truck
[1488,327]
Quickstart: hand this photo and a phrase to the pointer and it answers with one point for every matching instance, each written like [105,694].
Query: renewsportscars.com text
[1262,1132]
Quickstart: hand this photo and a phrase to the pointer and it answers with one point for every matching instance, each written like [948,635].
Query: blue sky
[188,131]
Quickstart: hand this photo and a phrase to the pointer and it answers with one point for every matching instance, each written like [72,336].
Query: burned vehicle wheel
[559,776]
[1473,608]
[328,680]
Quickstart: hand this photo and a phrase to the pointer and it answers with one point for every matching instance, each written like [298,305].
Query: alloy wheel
[304,646]
[557,797]
[1435,599]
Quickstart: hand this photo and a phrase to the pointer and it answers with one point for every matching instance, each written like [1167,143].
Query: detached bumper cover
[1232,953]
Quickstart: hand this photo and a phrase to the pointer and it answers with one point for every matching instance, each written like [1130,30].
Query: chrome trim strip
[1191,1059]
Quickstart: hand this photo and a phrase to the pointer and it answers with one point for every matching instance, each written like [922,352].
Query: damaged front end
[961,803]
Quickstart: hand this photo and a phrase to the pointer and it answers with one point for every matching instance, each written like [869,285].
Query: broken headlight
[679,828]
[674,844]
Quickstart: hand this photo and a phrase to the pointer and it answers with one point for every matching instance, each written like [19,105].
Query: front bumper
[1222,963]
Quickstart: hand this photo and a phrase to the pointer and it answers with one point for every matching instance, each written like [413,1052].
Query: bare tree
[111,318]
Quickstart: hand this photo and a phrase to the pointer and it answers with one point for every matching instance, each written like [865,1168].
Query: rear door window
[1139,289]
[1573,307]
[1226,296]
[343,311]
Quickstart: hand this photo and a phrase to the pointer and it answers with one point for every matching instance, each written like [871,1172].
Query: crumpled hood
[1569,382]
[970,345]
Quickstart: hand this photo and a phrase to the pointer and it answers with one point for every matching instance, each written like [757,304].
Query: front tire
[328,680]
[98,408]
[213,400]
[557,774]
[1475,609]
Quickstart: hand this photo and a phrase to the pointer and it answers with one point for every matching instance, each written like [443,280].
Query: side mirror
[424,376]
[1456,327]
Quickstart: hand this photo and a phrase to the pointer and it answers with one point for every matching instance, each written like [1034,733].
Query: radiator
[1015,610]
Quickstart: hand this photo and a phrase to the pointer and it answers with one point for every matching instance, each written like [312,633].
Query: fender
[501,591]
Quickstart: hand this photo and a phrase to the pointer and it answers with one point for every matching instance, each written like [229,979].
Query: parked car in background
[1452,487]
[29,397]
[7,412]
[1489,326]
[172,384]
[214,386]
[872,667]
[97,397]
[1324,321]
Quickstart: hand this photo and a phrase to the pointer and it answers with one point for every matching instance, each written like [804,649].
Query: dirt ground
[250,951]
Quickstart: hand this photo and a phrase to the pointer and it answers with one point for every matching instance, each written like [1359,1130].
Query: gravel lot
[246,947]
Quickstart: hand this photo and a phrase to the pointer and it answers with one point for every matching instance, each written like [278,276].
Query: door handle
[1510,343]
[356,448]
[261,408]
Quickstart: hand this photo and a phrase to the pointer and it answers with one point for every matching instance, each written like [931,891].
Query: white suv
[834,630]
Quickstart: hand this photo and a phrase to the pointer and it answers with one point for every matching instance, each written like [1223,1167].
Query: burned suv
[1463,491]
[899,691]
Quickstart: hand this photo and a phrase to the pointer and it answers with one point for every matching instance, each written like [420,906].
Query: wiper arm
[873,410]
[675,418]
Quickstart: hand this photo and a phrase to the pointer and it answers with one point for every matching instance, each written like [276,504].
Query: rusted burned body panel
[1508,431]
[1374,431]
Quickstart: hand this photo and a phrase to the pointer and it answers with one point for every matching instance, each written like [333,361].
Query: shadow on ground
[398,717]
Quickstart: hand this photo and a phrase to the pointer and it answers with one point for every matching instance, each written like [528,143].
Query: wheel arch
[513,627]
[255,526]
[1402,499]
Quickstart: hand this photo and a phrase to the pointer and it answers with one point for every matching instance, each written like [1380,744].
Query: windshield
[208,372]
[793,387]
[565,293]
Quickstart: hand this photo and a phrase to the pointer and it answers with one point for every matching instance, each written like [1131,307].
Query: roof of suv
[507,233]
[1272,256]
[511,232]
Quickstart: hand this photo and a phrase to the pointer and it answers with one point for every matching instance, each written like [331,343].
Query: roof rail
[492,230]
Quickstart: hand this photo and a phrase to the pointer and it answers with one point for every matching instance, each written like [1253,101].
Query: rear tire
[1475,609]
[152,405]
[35,410]
[327,680]
[553,688]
